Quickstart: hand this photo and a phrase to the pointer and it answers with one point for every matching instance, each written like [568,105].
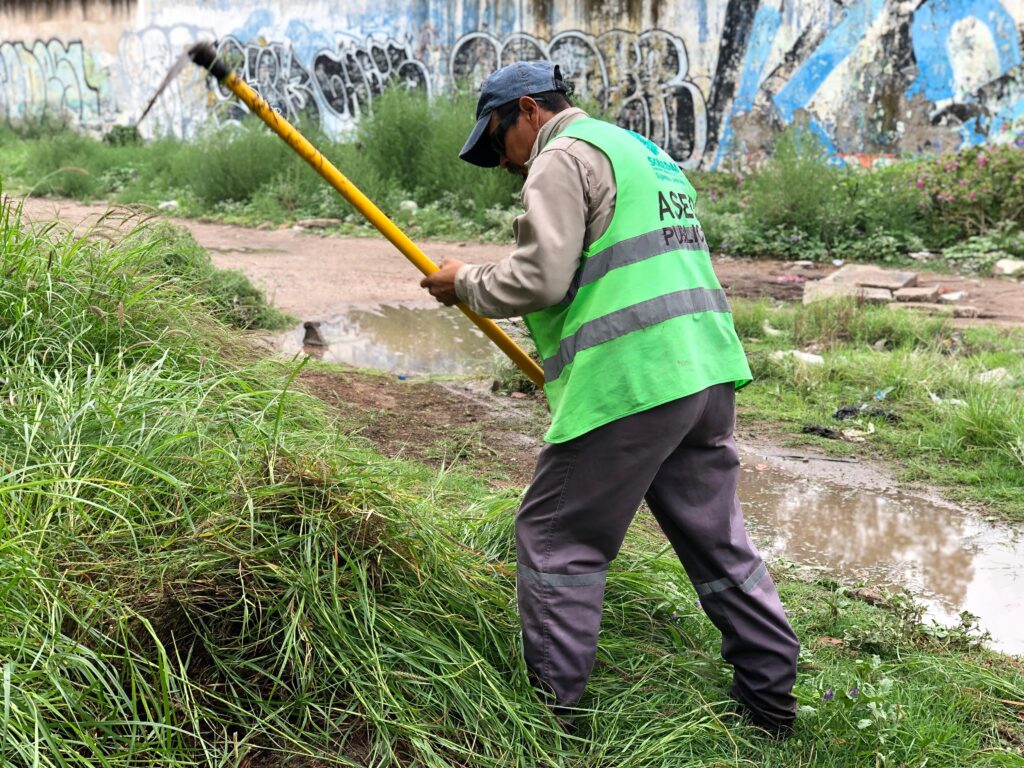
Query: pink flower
[963,182]
[920,182]
[982,160]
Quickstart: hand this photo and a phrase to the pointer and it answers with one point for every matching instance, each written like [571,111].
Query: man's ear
[530,108]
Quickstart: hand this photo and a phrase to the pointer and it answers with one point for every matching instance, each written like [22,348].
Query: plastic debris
[168,205]
[409,205]
[804,357]
[838,262]
[881,394]
[995,376]
[952,296]
[769,331]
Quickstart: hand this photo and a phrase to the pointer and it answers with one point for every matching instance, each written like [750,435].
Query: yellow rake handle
[363,204]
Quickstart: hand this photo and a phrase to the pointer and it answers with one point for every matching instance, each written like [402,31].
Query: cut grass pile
[956,392]
[198,568]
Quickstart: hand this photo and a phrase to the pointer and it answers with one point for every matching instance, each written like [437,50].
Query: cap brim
[477,149]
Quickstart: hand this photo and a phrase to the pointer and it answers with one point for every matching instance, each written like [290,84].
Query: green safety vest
[645,321]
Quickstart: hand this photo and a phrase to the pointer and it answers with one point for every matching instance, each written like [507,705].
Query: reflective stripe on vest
[633,318]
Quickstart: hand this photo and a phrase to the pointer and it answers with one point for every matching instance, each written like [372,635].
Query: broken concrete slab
[862,281]
[965,310]
[1008,267]
[917,293]
[820,290]
[870,276]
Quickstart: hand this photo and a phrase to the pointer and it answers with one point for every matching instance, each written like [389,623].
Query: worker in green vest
[612,275]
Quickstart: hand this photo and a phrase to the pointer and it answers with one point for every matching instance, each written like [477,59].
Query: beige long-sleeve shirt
[568,201]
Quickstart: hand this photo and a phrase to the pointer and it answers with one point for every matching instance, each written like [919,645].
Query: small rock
[966,311]
[317,223]
[168,205]
[881,344]
[518,395]
[995,376]
[1008,267]
[313,336]
[867,595]
[921,293]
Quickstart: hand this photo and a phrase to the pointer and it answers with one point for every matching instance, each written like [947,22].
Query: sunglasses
[498,134]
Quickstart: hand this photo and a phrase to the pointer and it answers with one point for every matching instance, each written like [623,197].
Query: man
[641,362]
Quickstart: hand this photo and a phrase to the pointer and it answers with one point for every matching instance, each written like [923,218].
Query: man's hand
[441,284]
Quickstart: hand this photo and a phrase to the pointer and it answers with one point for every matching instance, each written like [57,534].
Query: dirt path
[314,276]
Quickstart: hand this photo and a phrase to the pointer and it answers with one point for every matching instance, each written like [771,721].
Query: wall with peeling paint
[709,80]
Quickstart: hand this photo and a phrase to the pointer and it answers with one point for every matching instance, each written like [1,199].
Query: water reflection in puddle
[401,339]
[951,560]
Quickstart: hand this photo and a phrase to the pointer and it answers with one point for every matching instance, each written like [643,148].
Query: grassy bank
[966,208]
[199,568]
[937,403]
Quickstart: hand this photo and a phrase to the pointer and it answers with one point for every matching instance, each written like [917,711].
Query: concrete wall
[706,79]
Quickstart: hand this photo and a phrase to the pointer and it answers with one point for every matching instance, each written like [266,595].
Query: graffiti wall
[711,81]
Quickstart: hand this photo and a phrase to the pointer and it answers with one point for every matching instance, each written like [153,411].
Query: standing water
[951,560]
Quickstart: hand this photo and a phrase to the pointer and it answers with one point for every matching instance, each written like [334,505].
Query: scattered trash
[168,205]
[858,435]
[940,401]
[804,357]
[802,264]
[995,376]
[853,411]
[409,205]
[921,255]
[881,344]
[518,395]
[820,431]
[881,394]
[952,296]
[769,331]
[838,262]
[798,279]
[402,377]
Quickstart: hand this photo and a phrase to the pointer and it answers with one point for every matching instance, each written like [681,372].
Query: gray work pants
[682,459]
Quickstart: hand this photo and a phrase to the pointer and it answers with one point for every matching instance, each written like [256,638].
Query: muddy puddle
[951,560]
[401,339]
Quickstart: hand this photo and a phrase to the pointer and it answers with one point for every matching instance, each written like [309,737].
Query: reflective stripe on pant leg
[561,617]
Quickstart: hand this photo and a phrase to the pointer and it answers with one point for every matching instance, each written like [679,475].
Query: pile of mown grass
[198,569]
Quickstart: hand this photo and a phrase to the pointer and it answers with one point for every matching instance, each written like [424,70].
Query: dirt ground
[314,276]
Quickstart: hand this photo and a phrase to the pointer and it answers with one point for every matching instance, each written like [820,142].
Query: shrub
[969,192]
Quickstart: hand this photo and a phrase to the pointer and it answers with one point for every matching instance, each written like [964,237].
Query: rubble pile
[896,288]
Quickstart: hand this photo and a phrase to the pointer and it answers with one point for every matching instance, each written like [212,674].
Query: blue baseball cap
[523,78]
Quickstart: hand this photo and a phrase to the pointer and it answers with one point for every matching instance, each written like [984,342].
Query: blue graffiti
[766,24]
[834,49]
[932,26]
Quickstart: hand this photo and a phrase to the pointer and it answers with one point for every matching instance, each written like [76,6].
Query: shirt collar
[552,128]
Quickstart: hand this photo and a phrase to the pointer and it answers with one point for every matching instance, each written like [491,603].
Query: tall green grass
[198,568]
